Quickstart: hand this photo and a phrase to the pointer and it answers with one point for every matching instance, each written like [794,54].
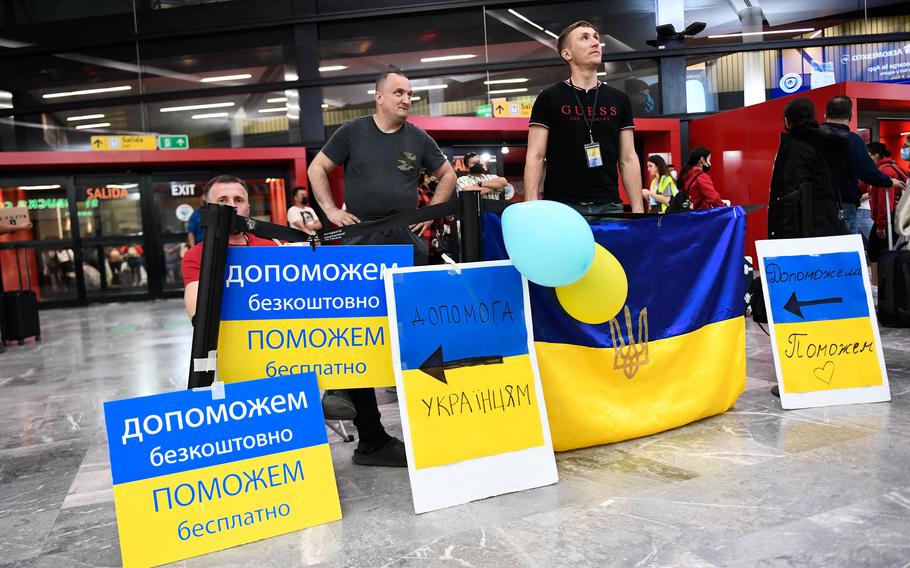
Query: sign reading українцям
[193,475]
[292,310]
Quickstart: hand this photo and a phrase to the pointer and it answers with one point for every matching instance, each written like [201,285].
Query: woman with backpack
[663,187]
[697,183]
[804,196]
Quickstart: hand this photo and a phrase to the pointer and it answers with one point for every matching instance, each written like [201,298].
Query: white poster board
[824,332]
[472,407]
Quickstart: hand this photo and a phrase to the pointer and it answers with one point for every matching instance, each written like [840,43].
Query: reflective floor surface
[757,486]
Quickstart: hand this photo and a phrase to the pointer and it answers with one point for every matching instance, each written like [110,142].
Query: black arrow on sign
[794,306]
[436,367]
[499,108]
[98,143]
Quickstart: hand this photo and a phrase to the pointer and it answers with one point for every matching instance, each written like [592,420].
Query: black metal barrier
[222,220]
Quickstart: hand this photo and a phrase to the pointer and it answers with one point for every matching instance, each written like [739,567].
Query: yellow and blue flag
[676,351]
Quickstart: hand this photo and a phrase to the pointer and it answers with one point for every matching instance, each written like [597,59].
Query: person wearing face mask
[697,182]
[803,177]
[905,150]
[880,200]
[477,179]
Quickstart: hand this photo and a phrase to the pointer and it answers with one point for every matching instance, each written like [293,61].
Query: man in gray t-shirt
[382,155]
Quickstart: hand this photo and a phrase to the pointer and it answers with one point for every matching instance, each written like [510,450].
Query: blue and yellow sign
[193,475]
[823,332]
[290,310]
[471,402]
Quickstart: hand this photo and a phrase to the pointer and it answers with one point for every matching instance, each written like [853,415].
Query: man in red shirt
[222,190]
[375,447]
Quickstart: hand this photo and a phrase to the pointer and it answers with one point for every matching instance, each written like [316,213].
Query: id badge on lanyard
[592,152]
[592,149]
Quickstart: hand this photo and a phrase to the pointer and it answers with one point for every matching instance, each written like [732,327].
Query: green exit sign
[178,142]
[483,110]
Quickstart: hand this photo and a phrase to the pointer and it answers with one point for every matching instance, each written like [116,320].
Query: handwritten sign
[469,390]
[291,310]
[825,339]
[193,475]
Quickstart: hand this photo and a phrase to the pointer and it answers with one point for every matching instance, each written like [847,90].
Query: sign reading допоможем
[291,310]
[825,338]
[471,402]
[193,475]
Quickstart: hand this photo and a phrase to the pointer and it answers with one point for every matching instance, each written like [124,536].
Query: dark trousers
[369,426]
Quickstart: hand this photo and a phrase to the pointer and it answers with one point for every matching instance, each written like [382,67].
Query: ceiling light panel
[86,92]
[447,58]
[237,77]
[93,125]
[196,107]
[84,117]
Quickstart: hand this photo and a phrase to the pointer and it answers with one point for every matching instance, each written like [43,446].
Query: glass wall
[234,73]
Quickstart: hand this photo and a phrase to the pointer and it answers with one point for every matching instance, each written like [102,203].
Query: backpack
[681,202]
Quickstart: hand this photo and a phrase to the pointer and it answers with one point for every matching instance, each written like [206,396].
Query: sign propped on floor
[824,333]
[472,408]
[194,473]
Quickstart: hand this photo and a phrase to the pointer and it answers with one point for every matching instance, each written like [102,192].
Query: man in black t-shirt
[590,126]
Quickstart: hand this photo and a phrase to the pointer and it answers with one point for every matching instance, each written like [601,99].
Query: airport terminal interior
[641,338]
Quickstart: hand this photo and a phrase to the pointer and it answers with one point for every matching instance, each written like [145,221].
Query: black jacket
[804,199]
[857,166]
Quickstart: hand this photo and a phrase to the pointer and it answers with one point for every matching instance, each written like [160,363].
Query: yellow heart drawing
[825,373]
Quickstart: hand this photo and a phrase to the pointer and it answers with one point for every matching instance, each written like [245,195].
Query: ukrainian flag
[677,351]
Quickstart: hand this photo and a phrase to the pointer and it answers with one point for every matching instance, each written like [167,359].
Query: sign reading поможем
[292,309]
[193,475]
[472,409]
[825,338]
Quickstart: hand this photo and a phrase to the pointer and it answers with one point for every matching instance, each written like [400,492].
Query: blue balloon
[549,243]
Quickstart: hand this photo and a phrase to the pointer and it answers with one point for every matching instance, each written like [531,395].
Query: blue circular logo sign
[791,82]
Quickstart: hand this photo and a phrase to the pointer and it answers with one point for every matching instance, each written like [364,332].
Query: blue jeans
[850,218]
[588,209]
[864,222]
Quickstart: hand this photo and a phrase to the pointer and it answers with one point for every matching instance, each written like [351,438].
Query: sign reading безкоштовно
[193,475]
[825,339]
[292,309]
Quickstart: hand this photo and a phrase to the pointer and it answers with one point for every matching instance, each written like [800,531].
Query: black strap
[268,230]
[692,181]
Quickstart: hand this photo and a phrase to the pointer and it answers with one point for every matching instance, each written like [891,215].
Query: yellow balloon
[600,294]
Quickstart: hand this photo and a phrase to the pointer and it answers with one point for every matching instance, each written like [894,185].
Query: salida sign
[106,193]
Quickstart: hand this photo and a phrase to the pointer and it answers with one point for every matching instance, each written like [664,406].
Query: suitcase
[893,282]
[19,310]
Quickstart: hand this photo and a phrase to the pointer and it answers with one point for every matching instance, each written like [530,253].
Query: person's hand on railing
[341,218]
[419,228]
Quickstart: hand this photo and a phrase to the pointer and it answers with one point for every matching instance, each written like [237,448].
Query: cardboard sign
[824,333]
[193,475]
[472,408]
[292,310]
[14,216]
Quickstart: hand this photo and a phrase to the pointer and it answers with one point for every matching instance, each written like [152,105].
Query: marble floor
[756,486]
